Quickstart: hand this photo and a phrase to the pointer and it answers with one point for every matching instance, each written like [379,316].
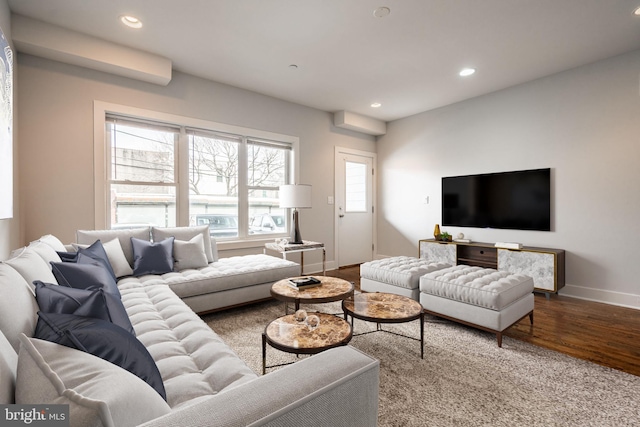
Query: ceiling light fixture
[131,21]
[465,72]
[637,11]
[381,12]
[293,67]
[376,105]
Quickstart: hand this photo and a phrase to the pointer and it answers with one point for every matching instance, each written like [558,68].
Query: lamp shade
[295,196]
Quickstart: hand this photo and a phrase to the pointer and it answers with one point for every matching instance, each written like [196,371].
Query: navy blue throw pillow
[152,258]
[97,252]
[68,256]
[102,339]
[82,302]
[87,273]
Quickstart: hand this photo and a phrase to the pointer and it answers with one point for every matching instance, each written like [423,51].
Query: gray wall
[56,139]
[10,228]
[584,124]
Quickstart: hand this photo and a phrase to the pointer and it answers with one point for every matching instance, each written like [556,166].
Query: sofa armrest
[338,387]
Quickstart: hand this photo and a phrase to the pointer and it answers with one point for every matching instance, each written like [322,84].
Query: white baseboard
[601,295]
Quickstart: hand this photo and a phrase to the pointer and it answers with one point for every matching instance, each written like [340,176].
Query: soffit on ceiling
[347,58]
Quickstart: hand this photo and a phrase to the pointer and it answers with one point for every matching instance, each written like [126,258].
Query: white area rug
[464,379]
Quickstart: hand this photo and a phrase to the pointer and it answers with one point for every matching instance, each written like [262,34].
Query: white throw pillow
[187,233]
[189,254]
[118,261]
[97,392]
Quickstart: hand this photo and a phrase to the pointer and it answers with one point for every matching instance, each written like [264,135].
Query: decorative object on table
[312,322]
[445,237]
[460,238]
[304,282]
[436,232]
[296,196]
[300,315]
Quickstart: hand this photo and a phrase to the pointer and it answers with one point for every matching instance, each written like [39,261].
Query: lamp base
[297,238]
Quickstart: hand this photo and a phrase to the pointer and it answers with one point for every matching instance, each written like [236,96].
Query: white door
[354,207]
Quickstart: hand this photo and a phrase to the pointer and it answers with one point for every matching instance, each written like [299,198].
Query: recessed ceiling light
[376,105]
[131,21]
[467,72]
[293,67]
[381,12]
[637,12]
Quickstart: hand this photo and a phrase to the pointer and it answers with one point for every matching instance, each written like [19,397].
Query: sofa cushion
[31,267]
[18,306]
[97,392]
[102,339]
[86,273]
[87,237]
[46,252]
[152,257]
[226,273]
[188,233]
[52,241]
[189,254]
[8,365]
[193,360]
[82,302]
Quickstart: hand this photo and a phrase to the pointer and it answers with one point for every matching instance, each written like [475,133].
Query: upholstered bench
[487,299]
[397,275]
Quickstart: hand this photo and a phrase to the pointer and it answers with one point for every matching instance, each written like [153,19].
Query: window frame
[101,170]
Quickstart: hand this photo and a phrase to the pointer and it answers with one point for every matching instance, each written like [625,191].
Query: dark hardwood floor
[601,333]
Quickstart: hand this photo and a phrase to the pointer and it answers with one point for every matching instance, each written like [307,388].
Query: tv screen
[519,200]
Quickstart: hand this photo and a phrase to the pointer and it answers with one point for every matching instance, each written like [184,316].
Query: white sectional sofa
[204,381]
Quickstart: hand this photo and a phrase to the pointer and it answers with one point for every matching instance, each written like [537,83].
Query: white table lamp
[296,196]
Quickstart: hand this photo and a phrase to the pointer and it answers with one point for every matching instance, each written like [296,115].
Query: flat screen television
[519,200]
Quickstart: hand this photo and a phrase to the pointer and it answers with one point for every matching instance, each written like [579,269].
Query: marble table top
[288,334]
[382,306]
[331,289]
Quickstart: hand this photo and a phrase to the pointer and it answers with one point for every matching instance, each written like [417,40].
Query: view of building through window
[224,173]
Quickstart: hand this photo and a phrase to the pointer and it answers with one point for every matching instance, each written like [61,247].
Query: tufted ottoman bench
[487,299]
[397,275]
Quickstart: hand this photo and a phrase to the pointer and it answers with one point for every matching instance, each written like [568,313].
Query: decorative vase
[436,232]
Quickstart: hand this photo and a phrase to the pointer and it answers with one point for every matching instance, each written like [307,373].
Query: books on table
[304,282]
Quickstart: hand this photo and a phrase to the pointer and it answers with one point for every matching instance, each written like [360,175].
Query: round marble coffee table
[292,336]
[382,307]
[331,289]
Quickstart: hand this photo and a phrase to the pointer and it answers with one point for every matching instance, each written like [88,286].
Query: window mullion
[243,192]
[182,177]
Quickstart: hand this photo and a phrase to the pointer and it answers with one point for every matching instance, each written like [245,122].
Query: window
[169,171]
[142,174]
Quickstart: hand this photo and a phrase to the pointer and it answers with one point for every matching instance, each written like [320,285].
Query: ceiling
[347,58]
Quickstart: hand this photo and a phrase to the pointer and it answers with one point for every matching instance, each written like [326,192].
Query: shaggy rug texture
[464,379]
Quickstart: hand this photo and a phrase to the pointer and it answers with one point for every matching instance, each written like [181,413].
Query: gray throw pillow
[189,254]
[188,233]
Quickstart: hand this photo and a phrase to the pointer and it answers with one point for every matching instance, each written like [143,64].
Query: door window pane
[356,187]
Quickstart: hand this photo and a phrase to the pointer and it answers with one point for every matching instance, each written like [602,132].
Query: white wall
[584,124]
[10,228]
[56,139]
